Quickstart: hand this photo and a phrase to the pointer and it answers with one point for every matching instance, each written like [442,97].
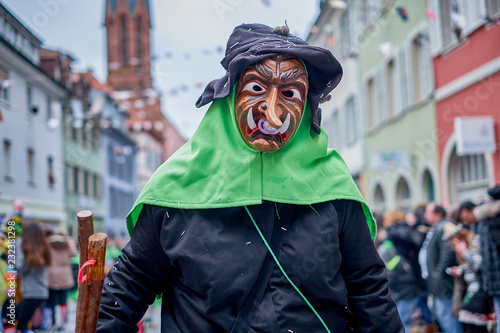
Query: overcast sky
[188,39]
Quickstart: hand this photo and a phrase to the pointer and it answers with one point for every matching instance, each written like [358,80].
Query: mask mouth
[264,127]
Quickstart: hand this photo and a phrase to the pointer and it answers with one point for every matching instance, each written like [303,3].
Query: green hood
[217,169]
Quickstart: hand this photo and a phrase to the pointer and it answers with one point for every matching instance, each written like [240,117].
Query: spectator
[489,230]
[399,252]
[32,263]
[434,257]
[476,311]
[61,279]
[466,214]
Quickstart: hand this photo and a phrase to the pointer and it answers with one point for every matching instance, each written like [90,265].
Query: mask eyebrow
[264,71]
[292,74]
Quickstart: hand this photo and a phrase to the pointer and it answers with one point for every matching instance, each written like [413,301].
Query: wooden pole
[93,286]
[85,230]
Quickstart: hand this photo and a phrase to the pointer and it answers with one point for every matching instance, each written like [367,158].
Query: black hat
[252,43]
[494,192]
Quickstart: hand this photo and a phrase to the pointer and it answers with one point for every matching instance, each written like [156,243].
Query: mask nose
[271,110]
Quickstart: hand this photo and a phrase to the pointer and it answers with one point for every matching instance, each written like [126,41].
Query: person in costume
[254,225]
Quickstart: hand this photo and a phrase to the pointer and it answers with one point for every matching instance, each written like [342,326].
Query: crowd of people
[35,262]
[444,264]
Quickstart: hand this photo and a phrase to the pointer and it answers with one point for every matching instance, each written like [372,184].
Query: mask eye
[254,87]
[292,93]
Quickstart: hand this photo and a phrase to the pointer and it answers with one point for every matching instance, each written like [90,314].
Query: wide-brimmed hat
[252,43]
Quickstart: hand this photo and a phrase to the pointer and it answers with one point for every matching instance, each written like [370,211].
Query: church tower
[128,25]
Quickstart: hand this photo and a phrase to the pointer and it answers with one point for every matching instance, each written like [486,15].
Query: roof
[12,19]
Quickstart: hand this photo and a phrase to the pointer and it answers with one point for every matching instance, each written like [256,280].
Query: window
[84,134]
[139,41]
[76,183]
[379,199]
[124,41]
[351,124]
[50,171]
[85,182]
[404,77]
[7,153]
[403,197]
[473,168]
[81,181]
[4,84]
[382,110]
[29,98]
[468,177]
[345,33]
[371,104]
[120,202]
[48,107]
[422,76]
[460,15]
[90,184]
[334,129]
[31,166]
[390,88]
[70,179]
[97,186]
[428,183]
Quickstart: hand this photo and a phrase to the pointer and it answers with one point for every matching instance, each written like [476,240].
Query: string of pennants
[458,19]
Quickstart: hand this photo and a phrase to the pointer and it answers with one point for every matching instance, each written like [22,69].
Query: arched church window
[139,41]
[123,41]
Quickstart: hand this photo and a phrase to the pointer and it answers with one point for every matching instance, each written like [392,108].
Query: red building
[467,79]
[128,25]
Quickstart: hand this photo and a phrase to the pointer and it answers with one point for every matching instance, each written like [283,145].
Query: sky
[188,40]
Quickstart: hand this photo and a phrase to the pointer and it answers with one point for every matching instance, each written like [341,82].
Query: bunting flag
[402,13]
[430,13]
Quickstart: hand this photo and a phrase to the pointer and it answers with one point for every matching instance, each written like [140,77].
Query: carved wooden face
[269,102]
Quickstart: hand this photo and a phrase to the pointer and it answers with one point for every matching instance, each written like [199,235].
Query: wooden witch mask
[270,99]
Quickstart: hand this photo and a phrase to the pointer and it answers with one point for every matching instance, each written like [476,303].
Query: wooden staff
[85,230]
[93,285]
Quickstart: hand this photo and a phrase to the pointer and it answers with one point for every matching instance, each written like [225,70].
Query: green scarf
[217,169]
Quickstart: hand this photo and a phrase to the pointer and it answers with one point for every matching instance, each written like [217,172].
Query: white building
[31,154]
[337,29]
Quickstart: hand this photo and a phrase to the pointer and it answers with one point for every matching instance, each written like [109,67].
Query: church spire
[128,27]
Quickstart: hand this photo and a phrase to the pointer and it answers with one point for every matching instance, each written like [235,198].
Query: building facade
[31,103]
[466,52]
[337,29]
[400,124]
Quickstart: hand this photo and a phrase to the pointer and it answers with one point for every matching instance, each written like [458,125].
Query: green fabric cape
[217,169]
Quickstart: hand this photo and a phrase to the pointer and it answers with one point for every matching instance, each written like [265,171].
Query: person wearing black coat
[434,257]
[488,217]
[254,225]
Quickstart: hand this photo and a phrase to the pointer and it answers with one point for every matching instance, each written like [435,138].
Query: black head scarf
[252,43]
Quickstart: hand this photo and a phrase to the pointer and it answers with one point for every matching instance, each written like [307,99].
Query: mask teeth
[285,125]
[250,121]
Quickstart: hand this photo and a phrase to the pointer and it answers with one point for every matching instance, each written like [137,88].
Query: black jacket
[205,262]
[440,256]
[488,215]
